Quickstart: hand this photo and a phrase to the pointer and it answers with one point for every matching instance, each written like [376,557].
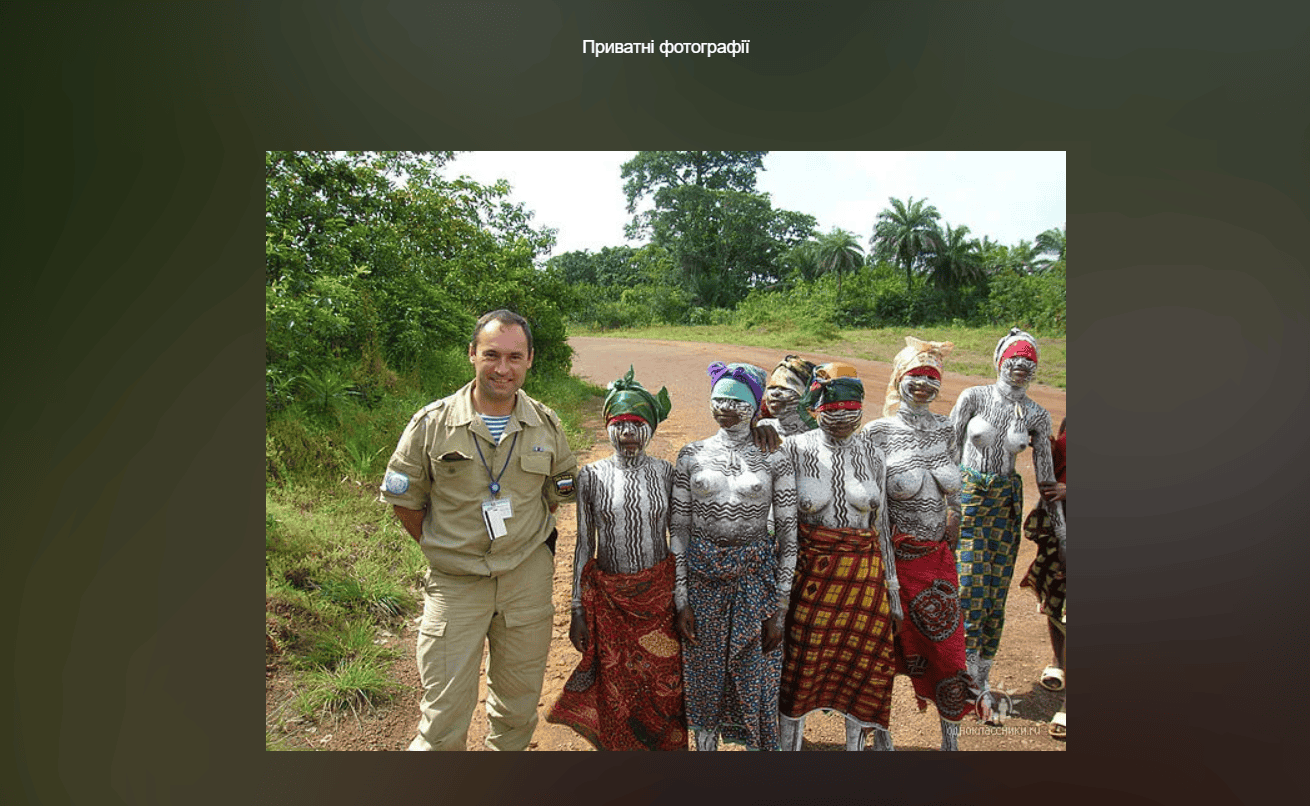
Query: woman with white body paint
[992,426]
[923,508]
[844,609]
[734,577]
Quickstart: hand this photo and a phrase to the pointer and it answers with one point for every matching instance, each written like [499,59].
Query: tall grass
[339,568]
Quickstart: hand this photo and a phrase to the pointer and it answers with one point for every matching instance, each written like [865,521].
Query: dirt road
[680,366]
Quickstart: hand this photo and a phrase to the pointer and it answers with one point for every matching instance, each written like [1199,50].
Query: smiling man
[476,479]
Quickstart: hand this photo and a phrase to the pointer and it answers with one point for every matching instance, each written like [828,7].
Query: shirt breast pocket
[451,465]
[537,464]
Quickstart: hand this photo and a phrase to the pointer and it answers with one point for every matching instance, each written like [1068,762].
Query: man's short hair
[505,317]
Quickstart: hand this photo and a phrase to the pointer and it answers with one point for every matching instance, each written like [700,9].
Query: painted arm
[680,523]
[1044,471]
[960,414]
[882,523]
[586,545]
[954,512]
[784,524]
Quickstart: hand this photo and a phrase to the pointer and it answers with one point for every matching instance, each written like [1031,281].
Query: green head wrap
[626,396]
[840,392]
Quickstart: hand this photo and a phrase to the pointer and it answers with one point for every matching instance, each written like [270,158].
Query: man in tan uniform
[476,479]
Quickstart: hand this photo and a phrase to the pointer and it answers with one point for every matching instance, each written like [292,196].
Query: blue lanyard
[495,482]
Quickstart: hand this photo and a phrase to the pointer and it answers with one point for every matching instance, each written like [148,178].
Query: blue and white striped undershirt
[496,425]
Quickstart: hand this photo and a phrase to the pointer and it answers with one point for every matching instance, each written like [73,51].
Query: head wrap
[917,357]
[1015,343]
[835,369]
[741,381]
[835,387]
[793,372]
[627,397]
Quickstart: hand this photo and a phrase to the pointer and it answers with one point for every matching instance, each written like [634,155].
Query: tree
[1051,242]
[725,237]
[904,233]
[839,252]
[373,258]
[957,260]
[1025,257]
[801,262]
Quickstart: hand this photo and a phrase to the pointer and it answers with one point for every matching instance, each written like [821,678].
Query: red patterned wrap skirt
[626,693]
[930,646]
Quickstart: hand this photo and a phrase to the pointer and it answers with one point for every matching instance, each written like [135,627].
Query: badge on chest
[495,513]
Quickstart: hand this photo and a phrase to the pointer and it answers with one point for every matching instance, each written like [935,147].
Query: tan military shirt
[436,466]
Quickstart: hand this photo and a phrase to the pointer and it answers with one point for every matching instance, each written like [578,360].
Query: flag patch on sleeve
[564,485]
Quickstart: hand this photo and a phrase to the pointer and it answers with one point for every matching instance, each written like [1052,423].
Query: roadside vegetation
[376,269]
[341,575]
[720,260]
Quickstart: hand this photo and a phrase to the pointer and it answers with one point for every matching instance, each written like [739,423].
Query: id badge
[494,514]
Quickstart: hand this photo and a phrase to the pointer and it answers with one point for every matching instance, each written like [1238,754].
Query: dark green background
[133,406]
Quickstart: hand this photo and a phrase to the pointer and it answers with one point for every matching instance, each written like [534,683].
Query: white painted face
[728,411]
[1018,371]
[781,399]
[840,423]
[919,389]
[629,437]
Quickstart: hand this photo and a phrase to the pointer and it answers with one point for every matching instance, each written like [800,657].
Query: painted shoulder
[1033,409]
[691,449]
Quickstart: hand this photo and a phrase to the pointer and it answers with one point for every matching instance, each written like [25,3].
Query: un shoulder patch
[396,483]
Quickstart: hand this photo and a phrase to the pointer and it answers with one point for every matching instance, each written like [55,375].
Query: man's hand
[579,635]
[412,520]
[685,623]
[766,437]
[953,529]
[772,638]
[1052,491]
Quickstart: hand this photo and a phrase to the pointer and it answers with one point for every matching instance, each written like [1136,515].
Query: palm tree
[904,232]
[957,260]
[1025,258]
[802,260]
[995,256]
[839,251]
[1051,242]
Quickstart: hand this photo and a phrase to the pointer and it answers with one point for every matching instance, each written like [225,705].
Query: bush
[1035,302]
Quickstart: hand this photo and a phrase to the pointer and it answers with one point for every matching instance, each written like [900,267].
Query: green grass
[573,399]
[338,565]
[355,685]
[972,354]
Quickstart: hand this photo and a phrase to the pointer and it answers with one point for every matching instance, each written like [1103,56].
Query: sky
[1005,195]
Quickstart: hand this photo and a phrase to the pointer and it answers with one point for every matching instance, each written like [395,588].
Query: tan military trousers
[513,614]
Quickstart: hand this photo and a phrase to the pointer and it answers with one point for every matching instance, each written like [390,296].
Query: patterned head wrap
[793,372]
[835,369]
[835,387]
[628,398]
[740,381]
[1015,343]
[917,357]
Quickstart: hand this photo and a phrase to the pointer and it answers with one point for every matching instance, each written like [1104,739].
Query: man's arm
[412,520]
